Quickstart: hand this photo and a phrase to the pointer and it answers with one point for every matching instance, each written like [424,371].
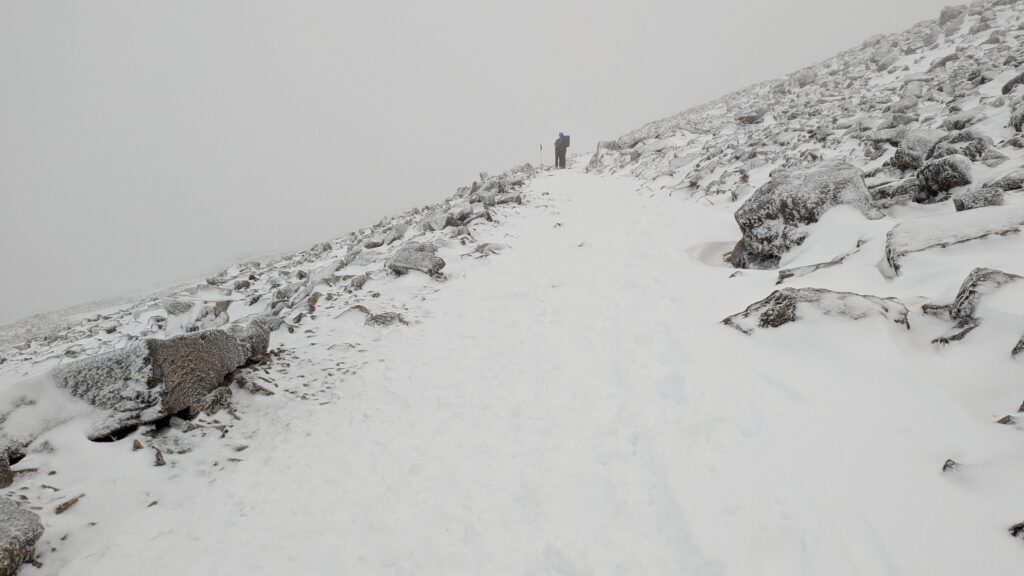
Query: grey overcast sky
[144,142]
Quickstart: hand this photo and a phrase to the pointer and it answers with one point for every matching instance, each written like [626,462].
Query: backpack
[565,140]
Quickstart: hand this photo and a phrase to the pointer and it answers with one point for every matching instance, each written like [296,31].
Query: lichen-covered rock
[942,230]
[20,529]
[791,304]
[978,284]
[417,256]
[774,219]
[939,176]
[151,379]
[914,148]
[970,199]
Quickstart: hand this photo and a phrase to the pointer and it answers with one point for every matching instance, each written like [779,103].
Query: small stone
[1006,420]
[159,458]
[950,465]
[63,506]
[136,445]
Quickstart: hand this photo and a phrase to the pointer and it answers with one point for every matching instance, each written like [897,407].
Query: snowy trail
[572,406]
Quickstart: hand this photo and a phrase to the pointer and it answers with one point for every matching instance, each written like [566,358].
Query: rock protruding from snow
[6,475]
[791,304]
[774,220]
[978,284]
[915,147]
[20,529]
[153,378]
[941,175]
[944,230]
[417,256]
[1012,181]
[971,199]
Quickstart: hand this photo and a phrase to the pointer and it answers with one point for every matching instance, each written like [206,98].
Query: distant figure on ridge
[560,146]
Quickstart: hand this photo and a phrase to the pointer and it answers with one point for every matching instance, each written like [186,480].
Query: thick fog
[146,142]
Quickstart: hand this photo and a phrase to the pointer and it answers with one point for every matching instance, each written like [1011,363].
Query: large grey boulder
[417,256]
[950,13]
[914,148]
[775,218]
[152,378]
[971,199]
[789,305]
[19,531]
[978,284]
[942,230]
[941,175]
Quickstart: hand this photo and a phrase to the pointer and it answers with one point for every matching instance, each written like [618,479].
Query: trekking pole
[542,156]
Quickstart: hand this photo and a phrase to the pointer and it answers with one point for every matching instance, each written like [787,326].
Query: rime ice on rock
[774,219]
[791,304]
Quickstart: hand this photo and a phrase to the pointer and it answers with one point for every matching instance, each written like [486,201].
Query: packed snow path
[572,406]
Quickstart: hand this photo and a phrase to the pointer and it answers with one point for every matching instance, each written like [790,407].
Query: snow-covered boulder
[914,148]
[970,199]
[434,221]
[775,218]
[791,304]
[978,284]
[20,529]
[941,175]
[942,230]
[152,378]
[951,13]
[968,143]
[417,256]
[1012,181]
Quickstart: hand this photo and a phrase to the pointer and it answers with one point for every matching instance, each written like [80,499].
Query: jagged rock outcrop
[417,256]
[978,284]
[786,305]
[153,378]
[774,219]
[942,230]
[20,529]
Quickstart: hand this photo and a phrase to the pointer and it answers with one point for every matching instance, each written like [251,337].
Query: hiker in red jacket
[561,144]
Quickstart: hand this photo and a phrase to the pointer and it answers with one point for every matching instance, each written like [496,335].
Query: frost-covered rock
[942,230]
[20,529]
[1012,181]
[791,304]
[978,284]
[417,256]
[6,475]
[892,193]
[915,147]
[968,143]
[151,379]
[970,199]
[774,219]
[938,177]
[434,221]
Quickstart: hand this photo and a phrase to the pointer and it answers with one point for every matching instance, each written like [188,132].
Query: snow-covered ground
[573,406]
[564,398]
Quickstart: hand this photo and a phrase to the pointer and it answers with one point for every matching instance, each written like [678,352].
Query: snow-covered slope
[777,334]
